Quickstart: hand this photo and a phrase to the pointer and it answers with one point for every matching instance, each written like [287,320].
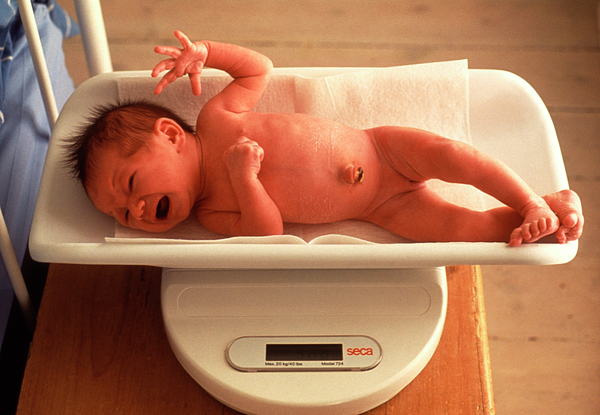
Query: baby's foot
[539,221]
[567,206]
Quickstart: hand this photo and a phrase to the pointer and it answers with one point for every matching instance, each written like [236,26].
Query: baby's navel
[353,175]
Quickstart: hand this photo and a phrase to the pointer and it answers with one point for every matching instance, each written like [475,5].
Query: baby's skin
[245,173]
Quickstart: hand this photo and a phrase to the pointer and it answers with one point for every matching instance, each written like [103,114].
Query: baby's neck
[201,165]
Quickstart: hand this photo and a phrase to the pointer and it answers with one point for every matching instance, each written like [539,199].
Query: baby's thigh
[393,148]
[402,147]
[422,215]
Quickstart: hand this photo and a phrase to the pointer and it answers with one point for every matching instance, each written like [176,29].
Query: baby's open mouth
[162,209]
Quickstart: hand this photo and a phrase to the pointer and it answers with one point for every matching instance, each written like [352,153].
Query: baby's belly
[337,190]
[308,164]
[314,199]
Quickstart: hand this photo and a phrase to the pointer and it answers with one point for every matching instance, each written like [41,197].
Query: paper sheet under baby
[432,96]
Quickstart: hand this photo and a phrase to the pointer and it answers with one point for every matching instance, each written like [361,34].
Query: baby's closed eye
[131,182]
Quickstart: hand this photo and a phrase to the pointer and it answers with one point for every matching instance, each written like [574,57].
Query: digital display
[304,352]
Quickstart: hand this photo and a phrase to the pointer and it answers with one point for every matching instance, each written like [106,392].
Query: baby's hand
[189,60]
[243,158]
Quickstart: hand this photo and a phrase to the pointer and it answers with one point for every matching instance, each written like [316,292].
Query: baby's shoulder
[217,119]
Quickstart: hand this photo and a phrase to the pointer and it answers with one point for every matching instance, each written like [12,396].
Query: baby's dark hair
[128,125]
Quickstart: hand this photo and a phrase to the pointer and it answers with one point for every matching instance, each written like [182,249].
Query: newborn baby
[245,173]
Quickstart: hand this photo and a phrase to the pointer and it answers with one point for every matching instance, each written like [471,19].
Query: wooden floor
[544,322]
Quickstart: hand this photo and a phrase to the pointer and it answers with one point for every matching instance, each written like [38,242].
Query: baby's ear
[168,129]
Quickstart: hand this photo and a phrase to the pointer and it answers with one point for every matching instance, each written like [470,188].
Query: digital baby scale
[304,341]
[277,325]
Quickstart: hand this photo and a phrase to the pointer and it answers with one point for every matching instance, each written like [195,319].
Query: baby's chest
[219,195]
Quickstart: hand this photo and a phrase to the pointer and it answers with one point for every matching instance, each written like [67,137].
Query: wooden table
[100,348]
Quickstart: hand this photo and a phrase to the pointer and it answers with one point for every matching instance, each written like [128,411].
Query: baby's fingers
[164,65]
[185,41]
[164,82]
[171,51]
[195,80]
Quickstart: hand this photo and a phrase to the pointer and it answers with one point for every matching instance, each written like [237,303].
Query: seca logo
[365,351]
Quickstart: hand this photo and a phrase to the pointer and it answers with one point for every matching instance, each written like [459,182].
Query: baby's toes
[554,224]
[574,223]
[526,232]
[516,237]
[546,226]
[537,227]
[562,235]
[570,220]
[571,228]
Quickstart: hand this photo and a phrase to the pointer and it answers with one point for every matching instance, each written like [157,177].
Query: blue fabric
[11,29]
[24,131]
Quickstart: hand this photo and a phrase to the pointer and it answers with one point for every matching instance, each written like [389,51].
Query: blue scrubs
[24,129]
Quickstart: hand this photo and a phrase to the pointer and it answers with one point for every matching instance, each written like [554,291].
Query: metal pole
[39,62]
[93,34]
[16,277]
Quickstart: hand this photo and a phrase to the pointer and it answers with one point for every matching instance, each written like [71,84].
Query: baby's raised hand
[189,60]
[243,159]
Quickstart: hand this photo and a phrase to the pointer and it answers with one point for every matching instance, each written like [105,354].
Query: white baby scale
[273,328]
[306,329]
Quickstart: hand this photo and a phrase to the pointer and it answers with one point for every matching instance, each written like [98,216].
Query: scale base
[401,310]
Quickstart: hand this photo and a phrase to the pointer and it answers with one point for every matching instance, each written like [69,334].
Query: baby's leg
[423,216]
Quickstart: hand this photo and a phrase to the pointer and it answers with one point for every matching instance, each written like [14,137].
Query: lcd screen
[304,352]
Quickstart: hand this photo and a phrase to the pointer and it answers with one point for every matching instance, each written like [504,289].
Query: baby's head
[126,127]
[130,160]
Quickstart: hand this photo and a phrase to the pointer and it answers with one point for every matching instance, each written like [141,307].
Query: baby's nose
[136,208]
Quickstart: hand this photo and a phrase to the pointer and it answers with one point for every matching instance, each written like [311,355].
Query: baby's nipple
[352,175]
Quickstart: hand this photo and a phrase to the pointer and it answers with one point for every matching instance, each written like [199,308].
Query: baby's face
[152,190]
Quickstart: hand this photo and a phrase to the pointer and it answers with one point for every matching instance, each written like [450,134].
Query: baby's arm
[430,156]
[259,215]
[249,69]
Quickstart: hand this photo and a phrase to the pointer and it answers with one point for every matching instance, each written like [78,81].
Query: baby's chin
[159,227]
[156,227]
